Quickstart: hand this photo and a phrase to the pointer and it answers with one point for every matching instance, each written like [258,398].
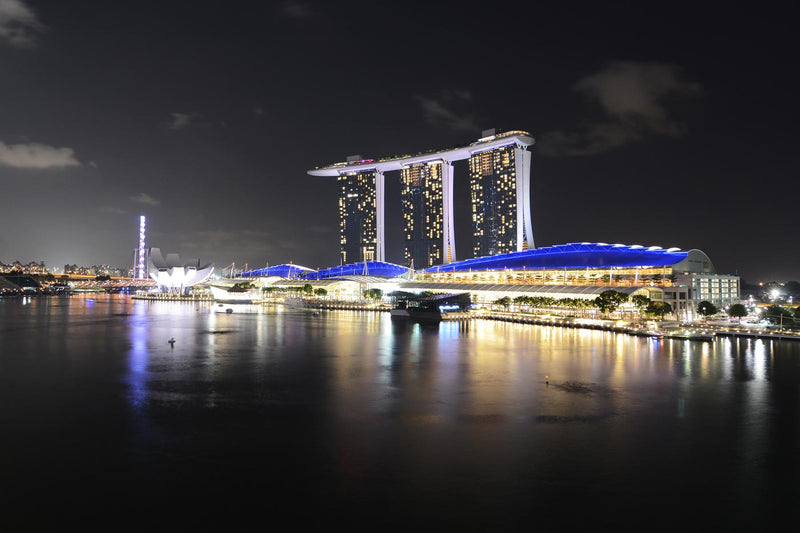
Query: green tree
[425,294]
[373,294]
[778,315]
[505,301]
[307,289]
[658,309]
[706,308]
[522,300]
[640,301]
[737,311]
[320,292]
[792,288]
[609,301]
[242,286]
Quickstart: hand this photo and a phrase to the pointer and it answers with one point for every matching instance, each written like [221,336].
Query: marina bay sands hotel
[499,179]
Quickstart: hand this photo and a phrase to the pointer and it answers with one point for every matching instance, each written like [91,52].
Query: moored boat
[235,294]
[434,308]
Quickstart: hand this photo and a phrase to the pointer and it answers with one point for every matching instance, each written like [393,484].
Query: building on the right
[681,279]
[697,273]
[499,181]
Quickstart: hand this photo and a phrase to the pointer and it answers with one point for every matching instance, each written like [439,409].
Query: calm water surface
[270,415]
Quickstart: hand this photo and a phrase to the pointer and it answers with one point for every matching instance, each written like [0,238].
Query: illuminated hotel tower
[500,192]
[423,213]
[499,176]
[358,229]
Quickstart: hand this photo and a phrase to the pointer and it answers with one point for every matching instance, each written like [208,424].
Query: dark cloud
[19,25]
[146,199]
[633,96]
[183,120]
[448,110]
[296,9]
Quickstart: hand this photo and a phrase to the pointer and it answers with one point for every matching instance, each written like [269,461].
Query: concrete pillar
[522,161]
[448,226]
[379,216]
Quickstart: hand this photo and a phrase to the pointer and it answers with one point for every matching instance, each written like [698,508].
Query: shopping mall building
[577,270]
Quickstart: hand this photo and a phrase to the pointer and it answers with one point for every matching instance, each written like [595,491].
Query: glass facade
[493,190]
[357,216]
[423,216]
[719,289]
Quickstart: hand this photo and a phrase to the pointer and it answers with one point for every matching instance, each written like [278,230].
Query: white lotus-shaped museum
[175,276]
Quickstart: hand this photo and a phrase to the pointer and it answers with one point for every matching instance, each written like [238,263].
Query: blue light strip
[572,255]
[283,271]
[372,268]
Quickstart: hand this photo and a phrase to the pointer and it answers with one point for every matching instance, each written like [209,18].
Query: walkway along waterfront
[649,329]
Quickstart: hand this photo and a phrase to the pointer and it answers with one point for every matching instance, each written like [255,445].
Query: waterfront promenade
[660,329]
[690,331]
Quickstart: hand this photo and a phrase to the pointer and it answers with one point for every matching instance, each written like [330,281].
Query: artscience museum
[175,276]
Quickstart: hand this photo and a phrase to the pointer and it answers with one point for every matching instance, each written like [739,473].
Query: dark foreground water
[276,419]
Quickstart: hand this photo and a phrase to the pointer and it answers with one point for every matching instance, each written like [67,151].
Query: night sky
[663,124]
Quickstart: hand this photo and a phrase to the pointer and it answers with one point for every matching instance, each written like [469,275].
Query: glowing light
[142,270]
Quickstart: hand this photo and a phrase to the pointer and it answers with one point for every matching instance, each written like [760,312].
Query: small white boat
[225,295]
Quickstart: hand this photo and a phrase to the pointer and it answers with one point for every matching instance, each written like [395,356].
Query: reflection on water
[356,412]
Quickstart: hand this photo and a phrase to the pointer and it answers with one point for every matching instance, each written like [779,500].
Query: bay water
[271,416]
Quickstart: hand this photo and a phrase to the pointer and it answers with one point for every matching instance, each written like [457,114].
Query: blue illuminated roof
[282,271]
[368,268]
[572,255]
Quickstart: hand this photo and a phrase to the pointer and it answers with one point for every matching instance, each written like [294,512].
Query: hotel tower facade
[423,213]
[499,198]
[358,233]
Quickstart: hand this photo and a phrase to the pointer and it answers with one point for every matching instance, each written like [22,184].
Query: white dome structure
[175,276]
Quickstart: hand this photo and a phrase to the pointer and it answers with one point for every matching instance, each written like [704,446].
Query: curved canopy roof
[367,268]
[696,262]
[286,270]
[572,255]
